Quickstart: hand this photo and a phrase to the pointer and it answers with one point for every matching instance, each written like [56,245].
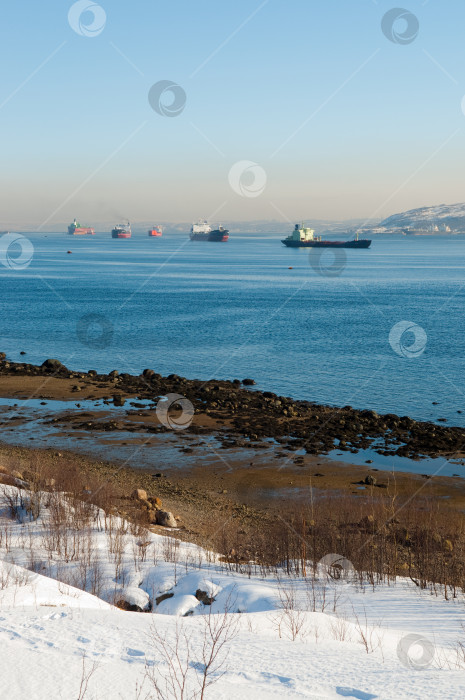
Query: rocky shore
[246,416]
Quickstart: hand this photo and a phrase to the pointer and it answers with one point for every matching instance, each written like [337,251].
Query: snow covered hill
[277,635]
[443,215]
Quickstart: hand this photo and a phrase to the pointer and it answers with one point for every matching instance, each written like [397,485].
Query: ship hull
[80,231]
[153,233]
[213,236]
[120,234]
[363,243]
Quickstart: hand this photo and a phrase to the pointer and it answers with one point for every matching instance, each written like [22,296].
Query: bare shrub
[191,669]
[290,620]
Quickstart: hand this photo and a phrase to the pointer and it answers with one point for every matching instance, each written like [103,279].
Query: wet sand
[213,456]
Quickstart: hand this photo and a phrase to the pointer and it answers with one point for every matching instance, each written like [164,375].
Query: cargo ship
[122,231]
[75,229]
[155,231]
[202,231]
[303,237]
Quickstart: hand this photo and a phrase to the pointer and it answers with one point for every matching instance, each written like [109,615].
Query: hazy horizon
[259,111]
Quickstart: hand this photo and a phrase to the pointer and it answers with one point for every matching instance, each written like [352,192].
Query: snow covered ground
[285,636]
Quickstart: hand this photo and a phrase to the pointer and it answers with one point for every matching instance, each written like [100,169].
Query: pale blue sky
[80,138]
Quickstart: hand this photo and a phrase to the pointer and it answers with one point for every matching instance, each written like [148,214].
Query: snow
[441,213]
[338,639]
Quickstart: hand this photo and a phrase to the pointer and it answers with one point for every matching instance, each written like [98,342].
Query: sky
[282,109]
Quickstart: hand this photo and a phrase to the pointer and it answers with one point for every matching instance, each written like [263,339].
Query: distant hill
[427,218]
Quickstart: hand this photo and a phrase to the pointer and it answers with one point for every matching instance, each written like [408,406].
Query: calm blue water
[235,310]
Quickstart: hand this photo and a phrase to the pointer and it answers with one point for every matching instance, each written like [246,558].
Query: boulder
[204,597]
[53,364]
[139,495]
[8,480]
[370,480]
[118,400]
[248,382]
[164,596]
[166,519]
[152,516]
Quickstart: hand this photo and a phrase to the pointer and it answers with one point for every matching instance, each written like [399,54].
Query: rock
[17,475]
[166,519]
[163,597]
[76,388]
[148,373]
[118,400]
[3,470]
[204,597]
[139,495]
[156,502]
[22,352]
[128,607]
[8,480]
[2,356]
[114,373]
[152,516]
[248,382]
[370,480]
[53,364]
